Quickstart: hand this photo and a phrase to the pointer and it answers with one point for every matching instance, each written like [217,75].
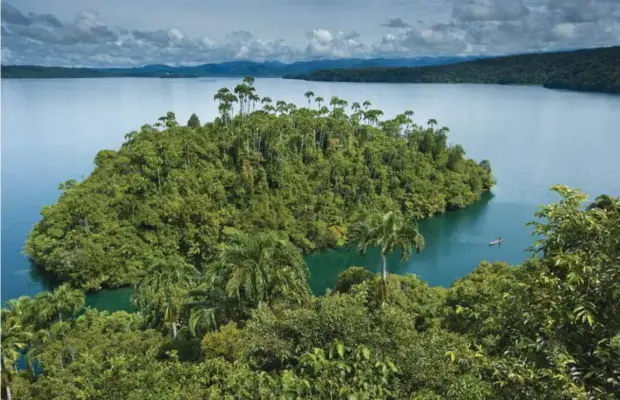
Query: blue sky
[188,32]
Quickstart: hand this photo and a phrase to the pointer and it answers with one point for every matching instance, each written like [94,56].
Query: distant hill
[230,69]
[595,70]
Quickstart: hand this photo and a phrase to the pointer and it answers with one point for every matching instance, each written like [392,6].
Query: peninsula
[591,70]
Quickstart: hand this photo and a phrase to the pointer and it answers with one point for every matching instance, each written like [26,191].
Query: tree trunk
[384,276]
[158,180]
[174,330]
[8,392]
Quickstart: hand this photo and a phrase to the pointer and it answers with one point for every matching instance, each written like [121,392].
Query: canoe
[493,243]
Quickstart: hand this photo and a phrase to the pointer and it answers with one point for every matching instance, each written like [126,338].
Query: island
[590,70]
[209,222]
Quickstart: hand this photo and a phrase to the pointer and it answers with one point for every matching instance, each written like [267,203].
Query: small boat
[498,241]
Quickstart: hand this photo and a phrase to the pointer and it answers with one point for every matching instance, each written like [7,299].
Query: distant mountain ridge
[225,69]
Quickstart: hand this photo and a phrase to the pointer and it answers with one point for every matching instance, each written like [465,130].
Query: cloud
[87,41]
[395,23]
[489,10]
[474,27]
[438,39]
[547,25]
[12,15]
[580,11]
[326,44]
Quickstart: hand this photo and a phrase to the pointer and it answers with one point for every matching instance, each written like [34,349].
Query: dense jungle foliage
[174,194]
[594,70]
[247,328]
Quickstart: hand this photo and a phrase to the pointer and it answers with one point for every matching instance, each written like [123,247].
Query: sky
[190,32]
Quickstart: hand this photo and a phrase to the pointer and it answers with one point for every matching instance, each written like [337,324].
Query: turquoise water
[534,138]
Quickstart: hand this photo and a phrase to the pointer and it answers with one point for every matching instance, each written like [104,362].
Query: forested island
[592,70]
[209,223]
[263,165]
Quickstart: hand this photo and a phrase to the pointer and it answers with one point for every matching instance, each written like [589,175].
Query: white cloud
[475,27]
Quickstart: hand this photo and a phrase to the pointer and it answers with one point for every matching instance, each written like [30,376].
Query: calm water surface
[534,138]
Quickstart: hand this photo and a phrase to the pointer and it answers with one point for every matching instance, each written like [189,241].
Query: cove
[446,243]
[534,138]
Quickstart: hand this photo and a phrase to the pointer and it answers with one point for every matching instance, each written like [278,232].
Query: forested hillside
[224,69]
[175,192]
[596,70]
[246,327]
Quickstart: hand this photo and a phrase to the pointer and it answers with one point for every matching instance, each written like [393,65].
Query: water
[534,138]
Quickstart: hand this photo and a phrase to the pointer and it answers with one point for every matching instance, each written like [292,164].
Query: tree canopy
[261,166]
[593,70]
[548,329]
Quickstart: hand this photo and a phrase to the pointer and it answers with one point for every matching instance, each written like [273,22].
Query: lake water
[534,138]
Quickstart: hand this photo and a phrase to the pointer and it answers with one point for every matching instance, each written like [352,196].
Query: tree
[351,277]
[194,121]
[67,301]
[388,232]
[319,100]
[15,336]
[309,95]
[602,202]
[260,268]
[163,292]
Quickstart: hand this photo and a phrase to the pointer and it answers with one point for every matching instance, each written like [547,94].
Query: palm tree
[14,338]
[388,232]
[309,95]
[602,202]
[42,309]
[67,301]
[373,115]
[319,100]
[40,339]
[162,294]
[260,268]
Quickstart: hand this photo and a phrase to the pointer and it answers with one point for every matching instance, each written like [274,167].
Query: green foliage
[547,329]
[260,268]
[350,277]
[305,173]
[193,122]
[210,223]
[227,343]
[595,70]
[389,233]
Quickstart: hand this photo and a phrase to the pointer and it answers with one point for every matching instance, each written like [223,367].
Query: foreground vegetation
[173,194]
[210,222]
[548,329]
[593,70]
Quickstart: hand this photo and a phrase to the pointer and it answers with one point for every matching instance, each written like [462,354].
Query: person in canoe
[498,241]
